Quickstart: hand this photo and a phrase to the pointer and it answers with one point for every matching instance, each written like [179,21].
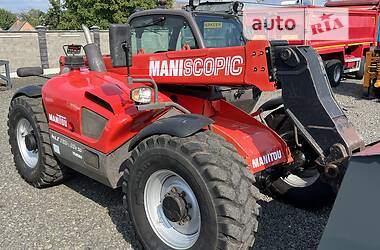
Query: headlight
[141,95]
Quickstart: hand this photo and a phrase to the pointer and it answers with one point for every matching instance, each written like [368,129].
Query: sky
[20,5]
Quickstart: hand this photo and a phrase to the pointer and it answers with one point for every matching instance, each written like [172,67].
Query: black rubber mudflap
[309,101]
[354,221]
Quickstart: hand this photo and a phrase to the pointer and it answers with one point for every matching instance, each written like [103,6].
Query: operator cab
[173,30]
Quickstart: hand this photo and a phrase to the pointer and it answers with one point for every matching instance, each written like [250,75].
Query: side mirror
[120,45]
[29,71]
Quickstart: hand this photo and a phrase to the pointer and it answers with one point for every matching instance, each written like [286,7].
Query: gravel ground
[82,214]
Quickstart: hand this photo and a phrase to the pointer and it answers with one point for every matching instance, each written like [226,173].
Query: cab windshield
[219,31]
[163,33]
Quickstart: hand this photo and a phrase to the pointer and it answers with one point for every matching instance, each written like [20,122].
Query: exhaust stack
[93,53]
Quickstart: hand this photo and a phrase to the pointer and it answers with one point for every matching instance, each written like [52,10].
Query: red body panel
[362,31]
[65,96]
[251,138]
[363,25]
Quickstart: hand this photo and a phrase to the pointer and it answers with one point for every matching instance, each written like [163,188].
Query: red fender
[260,146]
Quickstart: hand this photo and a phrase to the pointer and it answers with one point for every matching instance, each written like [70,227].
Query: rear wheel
[30,143]
[190,193]
[334,70]
[302,186]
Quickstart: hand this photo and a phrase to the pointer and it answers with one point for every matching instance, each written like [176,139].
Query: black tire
[218,177]
[47,171]
[366,91]
[318,193]
[333,68]
[360,73]
[376,92]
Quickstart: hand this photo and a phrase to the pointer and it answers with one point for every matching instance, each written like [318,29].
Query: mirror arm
[126,51]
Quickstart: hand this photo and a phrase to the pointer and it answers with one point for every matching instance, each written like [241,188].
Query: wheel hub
[337,73]
[175,207]
[172,209]
[30,142]
[27,143]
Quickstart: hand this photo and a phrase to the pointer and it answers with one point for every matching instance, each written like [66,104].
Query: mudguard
[179,125]
[32,91]
[354,220]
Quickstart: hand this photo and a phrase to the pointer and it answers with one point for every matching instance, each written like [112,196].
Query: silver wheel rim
[171,233]
[22,130]
[301,182]
[337,73]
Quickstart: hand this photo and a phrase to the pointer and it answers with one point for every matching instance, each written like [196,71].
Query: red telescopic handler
[190,163]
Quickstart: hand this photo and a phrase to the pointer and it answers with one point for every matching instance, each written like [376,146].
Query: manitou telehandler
[186,159]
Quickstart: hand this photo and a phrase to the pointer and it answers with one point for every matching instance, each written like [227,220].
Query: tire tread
[227,178]
[52,171]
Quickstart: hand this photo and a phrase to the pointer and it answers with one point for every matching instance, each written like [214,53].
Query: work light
[142,95]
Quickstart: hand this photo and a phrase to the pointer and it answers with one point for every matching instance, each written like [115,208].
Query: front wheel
[303,186]
[190,193]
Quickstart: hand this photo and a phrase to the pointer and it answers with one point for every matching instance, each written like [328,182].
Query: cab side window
[186,37]
[161,33]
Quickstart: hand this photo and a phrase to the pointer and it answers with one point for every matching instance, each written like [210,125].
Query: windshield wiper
[155,22]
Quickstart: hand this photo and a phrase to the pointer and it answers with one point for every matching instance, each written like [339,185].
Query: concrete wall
[22,49]
[56,40]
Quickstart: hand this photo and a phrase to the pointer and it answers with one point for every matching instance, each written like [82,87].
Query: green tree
[52,18]
[7,18]
[33,16]
[72,13]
